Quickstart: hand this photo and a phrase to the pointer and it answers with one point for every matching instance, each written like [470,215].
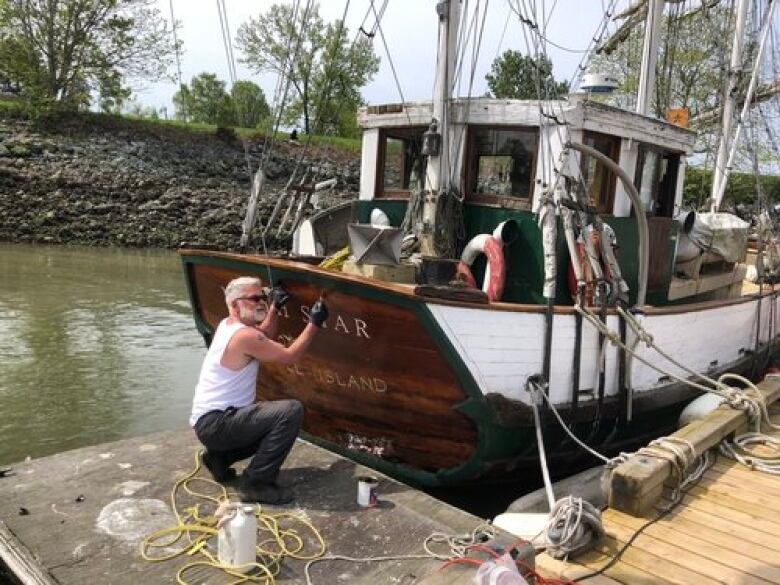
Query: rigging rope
[574,524]
[273,126]
[177,48]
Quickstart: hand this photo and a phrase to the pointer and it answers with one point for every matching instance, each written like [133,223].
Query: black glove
[318,314]
[279,297]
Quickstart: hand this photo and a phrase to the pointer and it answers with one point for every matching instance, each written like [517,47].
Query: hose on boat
[336,260]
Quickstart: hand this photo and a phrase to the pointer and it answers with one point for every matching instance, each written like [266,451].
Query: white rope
[574,525]
[571,434]
[741,451]
[535,388]
[459,544]
[750,399]
[457,547]
[732,396]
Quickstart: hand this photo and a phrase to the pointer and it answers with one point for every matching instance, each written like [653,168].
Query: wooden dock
[78,517]
[726,528]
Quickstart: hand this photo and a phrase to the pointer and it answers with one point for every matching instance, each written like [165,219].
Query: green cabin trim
[525,256]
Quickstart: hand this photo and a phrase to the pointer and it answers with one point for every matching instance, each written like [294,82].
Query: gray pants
[264,431]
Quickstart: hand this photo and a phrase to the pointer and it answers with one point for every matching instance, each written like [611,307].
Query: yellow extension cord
[275,543]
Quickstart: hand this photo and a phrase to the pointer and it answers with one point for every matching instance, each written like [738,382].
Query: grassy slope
[13,108]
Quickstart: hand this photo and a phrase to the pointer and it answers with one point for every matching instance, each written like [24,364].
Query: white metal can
[366,495]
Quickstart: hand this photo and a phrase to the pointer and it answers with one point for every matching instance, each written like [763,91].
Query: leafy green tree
[205,100]
[517,76]
[337,82]
[63,50]
[249,103]
[693,59]
[693,56]
[325,72]
[740,190]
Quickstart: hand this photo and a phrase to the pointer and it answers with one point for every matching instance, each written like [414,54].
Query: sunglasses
[254,298]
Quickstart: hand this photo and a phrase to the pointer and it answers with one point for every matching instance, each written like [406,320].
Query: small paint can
[366,495]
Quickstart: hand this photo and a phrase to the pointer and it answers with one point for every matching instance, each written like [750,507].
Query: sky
[410,31]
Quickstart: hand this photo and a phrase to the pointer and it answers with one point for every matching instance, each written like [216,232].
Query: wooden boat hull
[431,391]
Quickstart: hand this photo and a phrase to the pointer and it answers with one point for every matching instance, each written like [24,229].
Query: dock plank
[702,521]
[548,565]
[65,495]
[762,506]
[740,478]
[725,529]
[640,566]
[715,570]
[637,483]
[721,551]
[751,519]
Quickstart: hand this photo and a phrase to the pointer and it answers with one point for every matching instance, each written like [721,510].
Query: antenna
[599,83]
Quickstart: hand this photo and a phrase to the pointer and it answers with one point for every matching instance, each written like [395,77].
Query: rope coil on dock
[574,525]
[276,544]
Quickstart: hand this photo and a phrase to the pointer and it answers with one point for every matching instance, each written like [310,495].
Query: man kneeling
[225,416]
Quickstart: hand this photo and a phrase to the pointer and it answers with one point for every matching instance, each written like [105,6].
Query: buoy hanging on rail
[492,247]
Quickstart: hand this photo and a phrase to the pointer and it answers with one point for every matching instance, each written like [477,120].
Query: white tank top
[220,387]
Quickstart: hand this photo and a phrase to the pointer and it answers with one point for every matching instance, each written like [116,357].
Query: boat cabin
[501,163]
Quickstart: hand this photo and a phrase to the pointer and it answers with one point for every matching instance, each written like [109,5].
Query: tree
[517,76]
[205,100]
[693,57]
[326,73]
[63,50]
[249,104]
[337,82]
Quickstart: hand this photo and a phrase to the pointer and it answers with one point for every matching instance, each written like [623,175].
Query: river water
[99,344]
[95,345]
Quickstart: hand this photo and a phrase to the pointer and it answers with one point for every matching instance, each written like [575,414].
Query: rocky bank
[105,181]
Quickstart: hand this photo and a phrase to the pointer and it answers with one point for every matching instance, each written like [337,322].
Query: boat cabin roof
[577,111]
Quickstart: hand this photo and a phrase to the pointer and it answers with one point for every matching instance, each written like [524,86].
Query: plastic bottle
[499,572]
[238,538]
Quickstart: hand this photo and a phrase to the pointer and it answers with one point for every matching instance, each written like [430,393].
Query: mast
[437,169]
[655,12]
[729,104]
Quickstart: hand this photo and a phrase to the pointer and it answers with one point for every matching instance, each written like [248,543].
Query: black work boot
[219,468]
[264,493]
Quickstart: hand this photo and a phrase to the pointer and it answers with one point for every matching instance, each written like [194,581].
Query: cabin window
[401,166]
[599,182]
[501,164]
[656,179]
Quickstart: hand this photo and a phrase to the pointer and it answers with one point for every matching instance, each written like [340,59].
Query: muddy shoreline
[101,181]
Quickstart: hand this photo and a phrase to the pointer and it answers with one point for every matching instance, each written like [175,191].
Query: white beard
[255,316]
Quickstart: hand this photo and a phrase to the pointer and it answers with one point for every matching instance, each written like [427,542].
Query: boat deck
[726,529]
[78,517]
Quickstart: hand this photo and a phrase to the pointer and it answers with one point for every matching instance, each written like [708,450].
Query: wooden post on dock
[637,484]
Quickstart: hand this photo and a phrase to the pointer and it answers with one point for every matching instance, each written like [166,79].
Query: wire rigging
[226,40]
[176,45]
[280,99]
